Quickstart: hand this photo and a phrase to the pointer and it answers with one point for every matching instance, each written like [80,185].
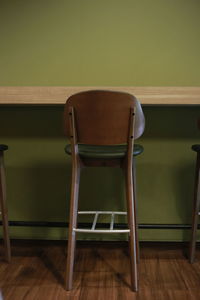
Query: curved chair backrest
[102,117]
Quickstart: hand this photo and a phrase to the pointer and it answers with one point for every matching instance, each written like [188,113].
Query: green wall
[38,171]
[95,43]
[107,42]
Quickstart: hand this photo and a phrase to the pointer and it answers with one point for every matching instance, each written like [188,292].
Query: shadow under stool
[3,207]
[196,205]
[102,127]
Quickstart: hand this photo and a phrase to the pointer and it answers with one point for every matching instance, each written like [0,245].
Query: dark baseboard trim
[99,225]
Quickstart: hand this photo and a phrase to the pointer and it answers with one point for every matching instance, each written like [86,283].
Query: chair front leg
[72,224]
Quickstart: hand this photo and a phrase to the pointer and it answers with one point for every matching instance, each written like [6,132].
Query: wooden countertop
[52,95]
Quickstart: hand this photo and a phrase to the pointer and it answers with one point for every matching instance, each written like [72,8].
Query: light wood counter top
[53,95]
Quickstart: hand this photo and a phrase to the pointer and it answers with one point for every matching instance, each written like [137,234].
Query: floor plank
[101,272]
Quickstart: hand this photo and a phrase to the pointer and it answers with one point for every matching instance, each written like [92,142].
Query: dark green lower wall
[38,172]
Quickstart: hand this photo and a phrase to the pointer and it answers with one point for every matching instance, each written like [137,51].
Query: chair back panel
[102,117]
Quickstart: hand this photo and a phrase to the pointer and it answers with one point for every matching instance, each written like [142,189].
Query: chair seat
[196,148]
[110,151]
[3,147]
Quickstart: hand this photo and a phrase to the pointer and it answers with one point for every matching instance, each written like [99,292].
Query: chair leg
[3,209]
[136,210]
[72,225]
[195,211]
[131,208]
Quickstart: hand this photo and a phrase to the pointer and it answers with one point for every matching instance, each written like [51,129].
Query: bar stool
[196,205]
[102,127]
[3,208]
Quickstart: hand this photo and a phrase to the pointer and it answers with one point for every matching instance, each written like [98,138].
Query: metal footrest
[96,214]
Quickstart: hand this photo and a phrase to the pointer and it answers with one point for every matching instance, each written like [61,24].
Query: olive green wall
[105,42]
[38,171]
[130,43]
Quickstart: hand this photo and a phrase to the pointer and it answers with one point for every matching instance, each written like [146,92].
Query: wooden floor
[101,272]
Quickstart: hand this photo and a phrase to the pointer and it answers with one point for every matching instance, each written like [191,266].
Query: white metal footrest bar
[96,214]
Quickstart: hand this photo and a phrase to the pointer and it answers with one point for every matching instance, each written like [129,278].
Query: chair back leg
[136,209]
[72,225]
[129,171]
[3,209]
[196,208]
[133,243]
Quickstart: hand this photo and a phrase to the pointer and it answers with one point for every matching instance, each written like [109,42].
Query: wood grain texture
[58,94]
[195,211]
[120,117]
[102,117]
[131,204]
[101,272]
[3,208]
[76,172]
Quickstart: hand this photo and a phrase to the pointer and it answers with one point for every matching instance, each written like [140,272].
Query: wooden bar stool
[102,127]
[3,208]
[196,205]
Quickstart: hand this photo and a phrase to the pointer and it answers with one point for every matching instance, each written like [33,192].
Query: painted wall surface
[38,171]
[130,43]
[107,42]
